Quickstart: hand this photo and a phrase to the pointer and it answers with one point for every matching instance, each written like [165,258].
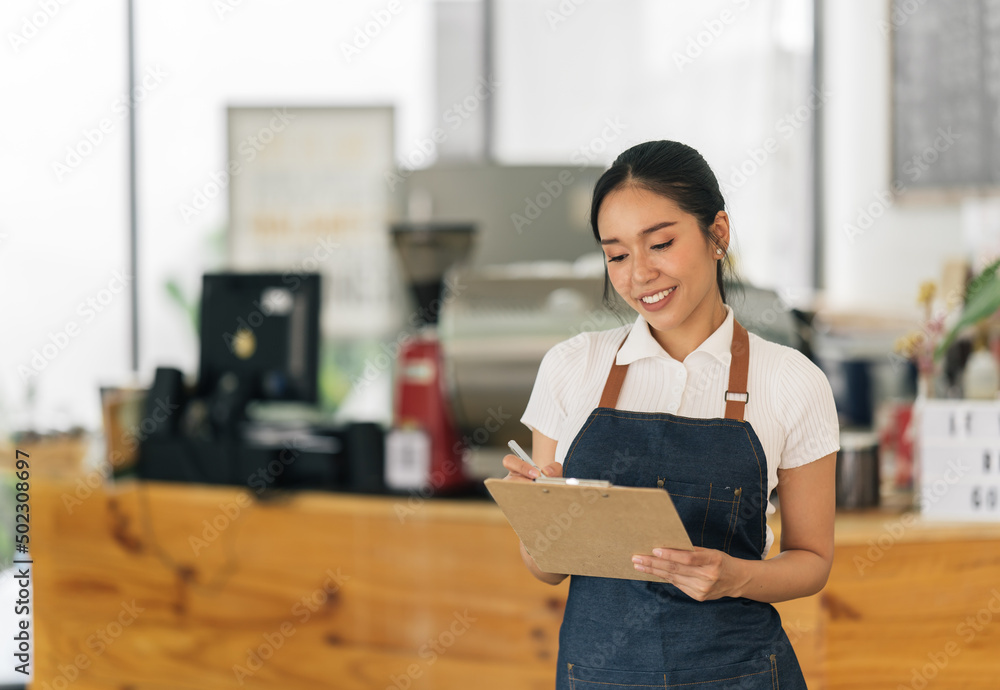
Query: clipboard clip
[573,481]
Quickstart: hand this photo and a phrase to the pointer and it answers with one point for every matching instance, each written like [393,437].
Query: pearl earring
[718,251]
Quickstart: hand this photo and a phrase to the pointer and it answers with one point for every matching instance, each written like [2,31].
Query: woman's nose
[642,269]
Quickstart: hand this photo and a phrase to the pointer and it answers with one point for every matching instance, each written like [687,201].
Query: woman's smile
[657,300]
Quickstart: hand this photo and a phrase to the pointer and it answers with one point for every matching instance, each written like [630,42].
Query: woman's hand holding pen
[702,574]
[521,468]
[521,471]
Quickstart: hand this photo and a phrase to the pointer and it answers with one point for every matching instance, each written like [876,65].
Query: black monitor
[260,332]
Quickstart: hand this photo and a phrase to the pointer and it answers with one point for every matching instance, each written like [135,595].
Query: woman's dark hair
[673,170]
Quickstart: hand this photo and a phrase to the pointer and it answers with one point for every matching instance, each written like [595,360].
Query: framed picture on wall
[308,193]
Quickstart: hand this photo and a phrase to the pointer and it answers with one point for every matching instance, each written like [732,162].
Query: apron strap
[736,393]
[613,386]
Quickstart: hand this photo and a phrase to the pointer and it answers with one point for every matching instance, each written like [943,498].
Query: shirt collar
[640,343]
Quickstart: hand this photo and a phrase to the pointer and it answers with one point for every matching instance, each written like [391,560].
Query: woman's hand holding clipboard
[585,526]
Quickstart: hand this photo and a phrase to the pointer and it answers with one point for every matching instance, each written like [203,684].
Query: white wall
[64,232]
[62,238]
[267,52]
[880,269]
[63,210]
[728,77]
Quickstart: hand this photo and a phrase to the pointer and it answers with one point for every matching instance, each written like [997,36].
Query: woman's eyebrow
[658,226]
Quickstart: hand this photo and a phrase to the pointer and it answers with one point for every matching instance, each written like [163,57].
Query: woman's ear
[720,231]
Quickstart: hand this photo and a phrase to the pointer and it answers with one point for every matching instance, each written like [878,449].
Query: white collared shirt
[790,406]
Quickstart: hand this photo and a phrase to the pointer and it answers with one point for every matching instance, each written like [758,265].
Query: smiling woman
[669,262]
[661,215]
[716,416]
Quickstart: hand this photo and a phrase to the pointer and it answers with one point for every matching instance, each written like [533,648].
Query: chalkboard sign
[946,94]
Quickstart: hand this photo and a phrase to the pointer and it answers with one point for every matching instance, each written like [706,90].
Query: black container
[857,470]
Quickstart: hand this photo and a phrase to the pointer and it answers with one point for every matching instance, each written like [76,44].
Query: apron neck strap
[613,386]
[736,392]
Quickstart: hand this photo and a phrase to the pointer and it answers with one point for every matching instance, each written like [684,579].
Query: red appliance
[422,403]
[426,251]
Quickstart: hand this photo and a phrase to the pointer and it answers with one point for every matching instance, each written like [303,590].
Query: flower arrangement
[921,346]
[925,347]
[981,301]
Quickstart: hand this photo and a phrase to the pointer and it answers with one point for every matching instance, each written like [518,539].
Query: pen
[519,452]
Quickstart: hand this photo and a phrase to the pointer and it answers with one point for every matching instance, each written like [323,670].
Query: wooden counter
[155,586]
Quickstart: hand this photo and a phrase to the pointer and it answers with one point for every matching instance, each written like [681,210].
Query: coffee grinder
[426,450]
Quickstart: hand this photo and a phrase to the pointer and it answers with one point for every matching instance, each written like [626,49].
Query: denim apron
[635,634]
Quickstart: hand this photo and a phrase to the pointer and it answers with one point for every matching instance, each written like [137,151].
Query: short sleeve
[548,405]
[808,412]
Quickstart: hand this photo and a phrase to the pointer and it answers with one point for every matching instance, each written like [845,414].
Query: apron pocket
[709,512]
[757,674]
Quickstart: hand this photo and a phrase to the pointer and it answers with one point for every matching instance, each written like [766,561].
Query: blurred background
[271,248]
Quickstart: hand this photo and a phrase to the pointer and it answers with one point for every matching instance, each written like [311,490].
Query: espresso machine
[424,450]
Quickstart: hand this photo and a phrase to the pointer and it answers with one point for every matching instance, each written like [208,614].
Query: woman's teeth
[653,299]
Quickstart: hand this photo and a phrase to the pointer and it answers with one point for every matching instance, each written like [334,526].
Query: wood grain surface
[154,586]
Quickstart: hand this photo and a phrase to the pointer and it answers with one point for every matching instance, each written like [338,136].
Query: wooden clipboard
[588,530]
